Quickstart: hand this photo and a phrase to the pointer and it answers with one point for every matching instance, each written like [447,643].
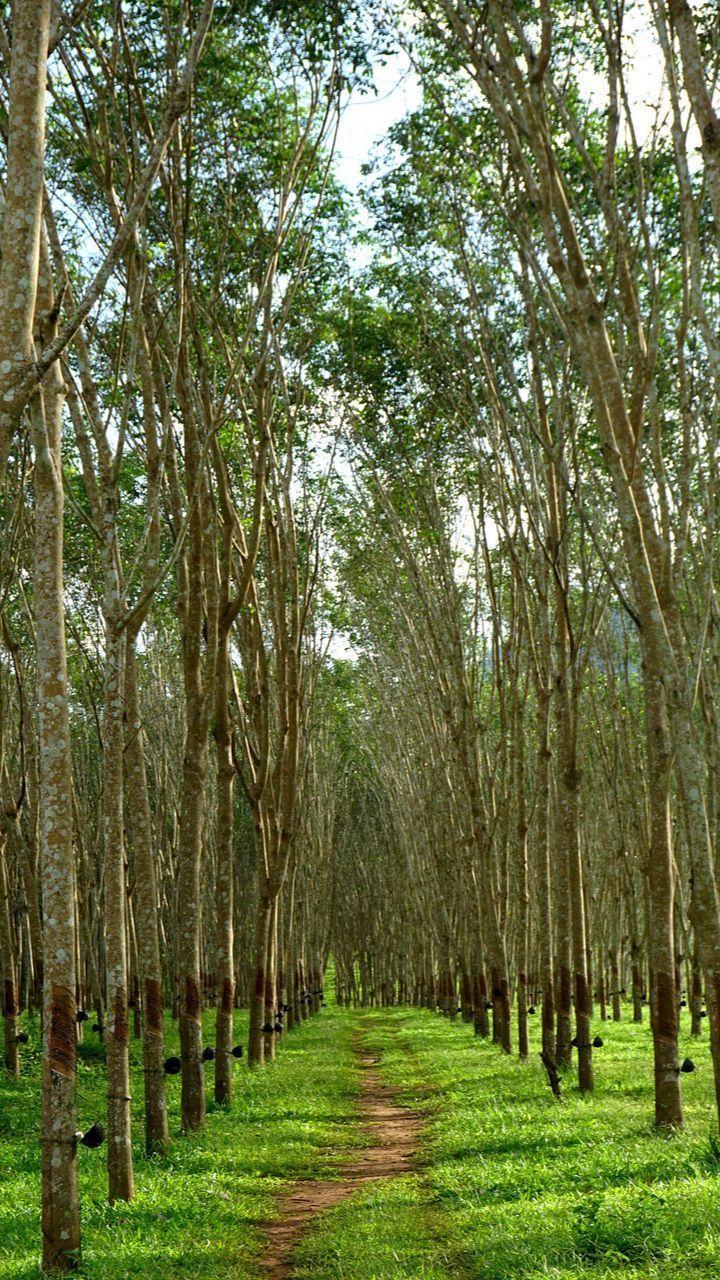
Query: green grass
[512,1186]
[517,1187]
[390,1230]
[196,1212]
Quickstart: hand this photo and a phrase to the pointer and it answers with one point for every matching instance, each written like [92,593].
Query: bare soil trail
[394,1131]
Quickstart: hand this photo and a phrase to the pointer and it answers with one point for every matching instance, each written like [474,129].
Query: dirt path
[394,1130]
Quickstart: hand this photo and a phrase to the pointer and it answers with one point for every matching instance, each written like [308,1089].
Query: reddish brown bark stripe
[120,1018]
[62,1054]
[192,1000]
[666,1015]
[10,1002]
[153,1007]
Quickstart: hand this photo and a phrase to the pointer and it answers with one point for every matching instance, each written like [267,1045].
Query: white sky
[367,117]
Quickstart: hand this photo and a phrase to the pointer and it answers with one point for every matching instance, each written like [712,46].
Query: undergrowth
[197,1211]
[517,1186]
[511,1184]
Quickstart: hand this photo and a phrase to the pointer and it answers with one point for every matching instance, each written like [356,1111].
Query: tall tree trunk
[615,981]
[563,1049]
[523,891]
[193,583]
[224,889]
[9,969]
[22,213]
[60,1207]
[119,1148]
[705,899]
[270,997]
[480,1018]
[637,980]
[256,1043]
[189,921]
[668,1101]
[500,985]
[146,911]
[543,880]
[696,997]
[29,853]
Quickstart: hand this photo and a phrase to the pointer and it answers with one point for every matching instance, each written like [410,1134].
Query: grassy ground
[196,1212]
[517,1187]
[512,1186]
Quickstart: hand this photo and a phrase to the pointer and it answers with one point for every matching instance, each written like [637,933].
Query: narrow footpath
[394,1130]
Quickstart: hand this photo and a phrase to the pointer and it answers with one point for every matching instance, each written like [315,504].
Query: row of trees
[537,414]
[162,293]
[490,463]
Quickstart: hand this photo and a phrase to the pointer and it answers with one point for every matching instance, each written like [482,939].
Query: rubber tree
[519,98]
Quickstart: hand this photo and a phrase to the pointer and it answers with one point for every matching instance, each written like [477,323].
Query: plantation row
[357,548]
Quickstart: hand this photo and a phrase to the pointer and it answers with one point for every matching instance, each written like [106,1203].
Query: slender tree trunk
[60,1207]
[466,1002]
[189,922]
[602,996]
[19,268]
[119,1146]
[270,997]
[668,1102]
[637,981]
[146,911]
[29,862]
[523,891]
[256,1043]
[22,212]
[224,889]
[480,1018]
[9,970]
[615,980]
[573,936]
[544,884]
[563,1049]
[696,999]
[193,600]
[706,902]
[500,990]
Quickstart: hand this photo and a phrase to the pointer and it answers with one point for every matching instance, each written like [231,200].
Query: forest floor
[440,1159]
[393,1131]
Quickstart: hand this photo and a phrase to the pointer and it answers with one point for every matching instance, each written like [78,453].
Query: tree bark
[668,1101]
[8,968]
[119,1135]
[256,1043]
[224,890]
[22,216]
[146,910]
[60,1207]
